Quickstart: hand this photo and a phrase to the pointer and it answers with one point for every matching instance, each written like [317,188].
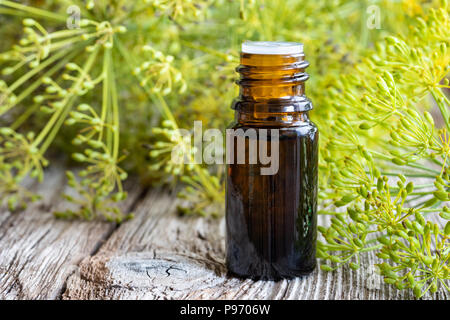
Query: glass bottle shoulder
[298,128]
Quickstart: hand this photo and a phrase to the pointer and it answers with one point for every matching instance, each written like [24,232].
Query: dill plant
[120,85]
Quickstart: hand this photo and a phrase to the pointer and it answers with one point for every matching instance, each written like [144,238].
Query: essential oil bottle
[271,218]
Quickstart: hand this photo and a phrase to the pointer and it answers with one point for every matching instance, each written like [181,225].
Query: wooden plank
[39,252]
[5,213]
[159,255]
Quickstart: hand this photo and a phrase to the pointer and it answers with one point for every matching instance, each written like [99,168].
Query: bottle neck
[271,119]
[272,89]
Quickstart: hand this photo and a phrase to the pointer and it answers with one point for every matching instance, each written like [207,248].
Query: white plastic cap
[272,47]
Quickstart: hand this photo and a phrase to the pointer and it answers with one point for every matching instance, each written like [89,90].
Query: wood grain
[157,255]
[39,252]
[160,255]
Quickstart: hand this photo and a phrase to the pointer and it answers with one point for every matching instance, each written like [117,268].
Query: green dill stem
[420,193]
[115,107]
[65,42]
[419,186]
[421,167]
[36,70]
[165,108]
[263,22]
[105,93]
[441,164]
[53,124]
[443,283]
[396,193]
[437,94]
[431,210]
[335,247]
[411,175]
[372,240]
[33,11]
[12,12]
[328,212]
[409,200]
[205,49]
[65,33]
[364,29]
[348,258]
[24,116]
[412,165]
[57,125]
[18,122]
[378,246]
[425,201]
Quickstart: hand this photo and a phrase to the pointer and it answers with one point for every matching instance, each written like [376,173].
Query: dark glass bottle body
[271,219]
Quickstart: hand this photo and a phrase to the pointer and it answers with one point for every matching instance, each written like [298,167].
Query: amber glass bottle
[271,218]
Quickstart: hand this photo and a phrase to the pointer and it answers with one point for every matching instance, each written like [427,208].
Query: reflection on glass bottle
[271,219]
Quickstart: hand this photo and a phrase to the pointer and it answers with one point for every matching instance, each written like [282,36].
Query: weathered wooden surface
[39,252]
[156,255]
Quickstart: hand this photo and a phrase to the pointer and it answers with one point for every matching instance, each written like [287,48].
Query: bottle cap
[272,47]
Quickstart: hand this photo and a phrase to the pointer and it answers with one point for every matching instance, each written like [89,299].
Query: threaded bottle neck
[272,82]
[270,76]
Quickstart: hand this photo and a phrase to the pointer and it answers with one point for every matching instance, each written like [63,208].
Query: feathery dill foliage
[382,130]
[119,86]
